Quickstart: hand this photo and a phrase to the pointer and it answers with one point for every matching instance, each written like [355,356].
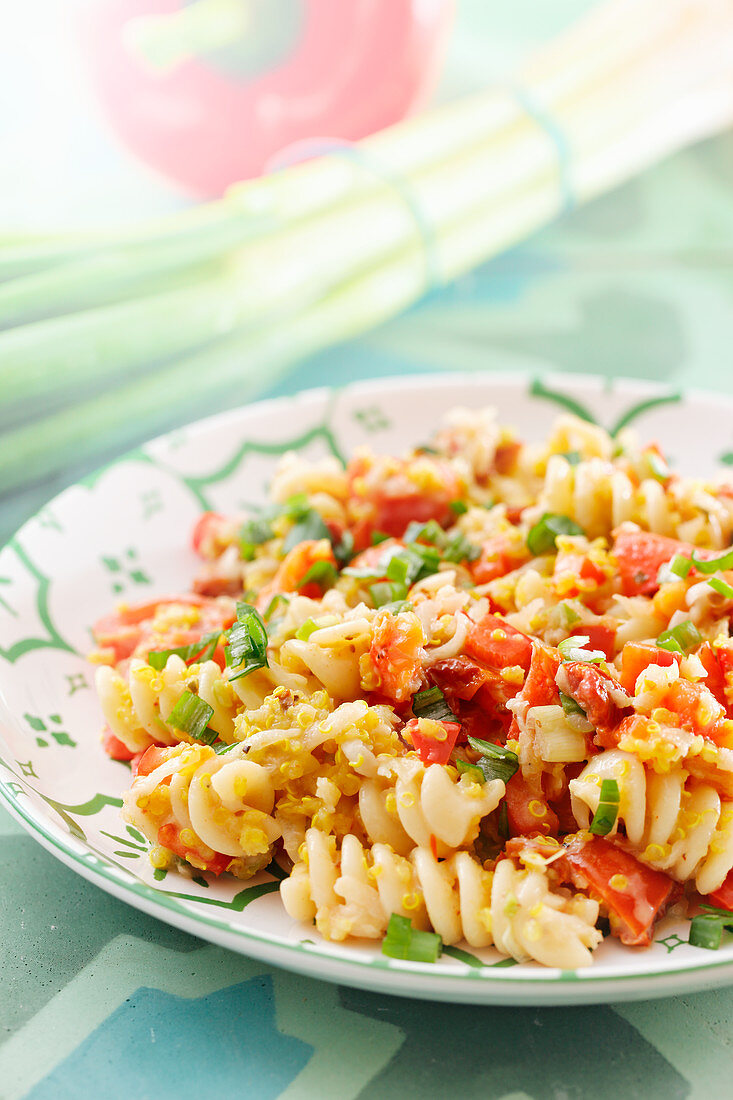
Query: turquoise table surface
[100,1001]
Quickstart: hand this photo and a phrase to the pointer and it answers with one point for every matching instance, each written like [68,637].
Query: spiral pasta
[673,822]
[137,708]
[353,893]
[424,668]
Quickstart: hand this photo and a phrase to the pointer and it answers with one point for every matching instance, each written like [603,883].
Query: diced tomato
[540,688]
[505,457]
[640,554]
[114,747]
[150,759]
[591,689]
[499,556]
[170,837]
[459,677]
[488,722]
[395,654]
[696,707]
[635,895]
[601,635]
[637,656]
[498,644]
[528,813]
[433,749]
[722,898]
[205,531]
[294,567]
[128,628]
[392,501]
[574,574]
[715,679]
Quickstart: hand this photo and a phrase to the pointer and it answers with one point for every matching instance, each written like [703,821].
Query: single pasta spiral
[354,892]
[599,496]
[224,802]
[673,821]
[137,708]
[410,804]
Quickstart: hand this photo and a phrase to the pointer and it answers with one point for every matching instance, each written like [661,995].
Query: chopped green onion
[503,821]
[571,457]
[252,534]
[202,650]
[304,632]
[402,941]
[570,707]
[279,597]
[496,762]
[398,570]
[247,642]
[384,593]
[471,769]
[310,528]
[459,548]
[379,536]
[681,638]
[543,536]
[725,913]
[658,466]
[680,565]
[431,703]
[221,749]
[721,586]
[296,508]
[321,572]
[458,507]
[430,532]
[191,715]
[706,931]
[571,649]
[569,614]
[712,565]
[605,816]
[426,449]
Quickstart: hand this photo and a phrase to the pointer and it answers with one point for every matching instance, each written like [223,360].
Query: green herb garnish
[247,642]
[191,715]
[605,816]
[543,536]
[402,941]
[199,651]
[496,761]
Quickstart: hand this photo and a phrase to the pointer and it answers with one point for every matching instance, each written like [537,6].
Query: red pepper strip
[635,895]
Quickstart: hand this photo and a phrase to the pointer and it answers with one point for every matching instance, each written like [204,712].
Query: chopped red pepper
[433,749]
[634,894]
[498,644]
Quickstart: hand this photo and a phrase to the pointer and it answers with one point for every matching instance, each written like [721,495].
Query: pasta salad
[479,692]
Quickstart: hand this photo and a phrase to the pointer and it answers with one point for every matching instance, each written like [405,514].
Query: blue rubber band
[534,109]
[318,147]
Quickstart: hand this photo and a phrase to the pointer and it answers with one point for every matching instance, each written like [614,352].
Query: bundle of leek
[180,316]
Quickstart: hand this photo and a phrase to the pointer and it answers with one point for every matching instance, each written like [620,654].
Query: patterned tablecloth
[98,1000]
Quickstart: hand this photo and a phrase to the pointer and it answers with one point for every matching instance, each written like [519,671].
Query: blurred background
[122,112]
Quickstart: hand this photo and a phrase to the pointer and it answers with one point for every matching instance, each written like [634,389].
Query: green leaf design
[465,957]
[570,404]
[539,389]
[642,407]
[53,640]
[238,903]
[198,485]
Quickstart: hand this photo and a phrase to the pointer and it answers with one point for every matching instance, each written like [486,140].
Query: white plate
[124,534]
